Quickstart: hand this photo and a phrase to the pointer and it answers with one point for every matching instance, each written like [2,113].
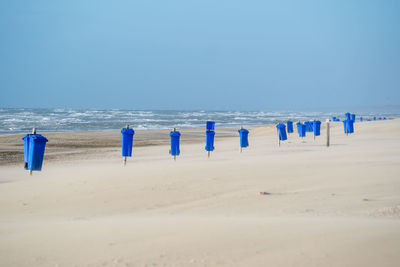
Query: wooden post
[327,133]
[208,153]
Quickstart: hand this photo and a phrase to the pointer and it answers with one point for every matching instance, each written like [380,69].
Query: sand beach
[321,206]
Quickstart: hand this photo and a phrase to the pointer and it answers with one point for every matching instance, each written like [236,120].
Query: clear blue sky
[204,54]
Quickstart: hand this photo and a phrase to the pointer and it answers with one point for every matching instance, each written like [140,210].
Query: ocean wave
[21,120]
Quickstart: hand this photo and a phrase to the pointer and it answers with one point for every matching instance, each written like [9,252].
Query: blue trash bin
[210,125]
[309,127]
[350,126]
[301,129]
[289,125]
[333,118]
[244,134]
[127,141]
[37,145]
[347,115]
[210,140]
[353,117]
[317,128]
[361,119]
[374,118]
[175,136]
[281,128]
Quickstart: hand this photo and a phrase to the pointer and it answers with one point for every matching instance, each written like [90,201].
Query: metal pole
[208,153]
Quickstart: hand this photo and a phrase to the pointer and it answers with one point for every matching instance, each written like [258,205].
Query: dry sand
[336,206]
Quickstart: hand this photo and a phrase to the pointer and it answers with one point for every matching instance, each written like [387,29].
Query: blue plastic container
[361,119]
[374,118]
[244,137]
[210,140]
[384,118]
[36,147]
[127,141]
[317,128]
[289,125]
[309,126]
[347,115]
[281,132]
[353,117]
[210,125]
[348,126]
[301,129]
[333,118]
[175,136]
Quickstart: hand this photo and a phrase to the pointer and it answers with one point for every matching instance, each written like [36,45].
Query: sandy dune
[336,206]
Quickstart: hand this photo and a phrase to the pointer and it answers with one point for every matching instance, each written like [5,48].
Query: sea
[22,120]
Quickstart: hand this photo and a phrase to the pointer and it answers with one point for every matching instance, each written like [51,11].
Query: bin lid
[175,134]
[280,126]
[127,131]
[38,138]
[210,125]
[26,136]
[243,131]
[208,132]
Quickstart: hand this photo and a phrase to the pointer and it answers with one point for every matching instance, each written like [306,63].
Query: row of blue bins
[34,144]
